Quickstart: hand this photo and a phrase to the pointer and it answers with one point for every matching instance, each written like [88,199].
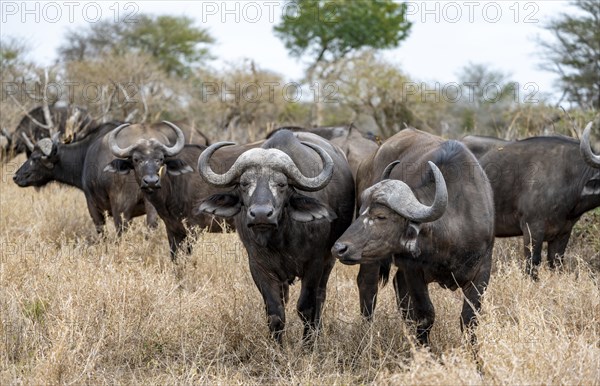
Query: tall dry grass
[78,310]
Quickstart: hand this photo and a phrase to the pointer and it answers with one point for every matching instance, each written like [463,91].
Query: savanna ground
[78,310]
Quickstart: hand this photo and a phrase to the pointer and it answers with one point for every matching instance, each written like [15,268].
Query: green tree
[574,54]
[14,62]
[11,52]
[328,30]
[376,88]
[172,41]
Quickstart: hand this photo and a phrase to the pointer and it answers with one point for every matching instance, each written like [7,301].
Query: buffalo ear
[222,205]
[591,187]
[304,209]
[410,237]
[176,167]
[120,166]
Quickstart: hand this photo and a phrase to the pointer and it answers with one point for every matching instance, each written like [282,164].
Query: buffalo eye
[281,184]
[244,184]
[136,160]
[380,217]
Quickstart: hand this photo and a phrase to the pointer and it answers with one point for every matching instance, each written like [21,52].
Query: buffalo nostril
[340,248]
[150,180]
[261,211]
[262,214]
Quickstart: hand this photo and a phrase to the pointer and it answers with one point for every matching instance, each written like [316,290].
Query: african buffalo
[73,122]
[327,132]
[481,144]
[426,204]
[81,164]
[161,173]
[39,122]
[542,186]
[356,147]
[77,164]
[353,143]
[291,199]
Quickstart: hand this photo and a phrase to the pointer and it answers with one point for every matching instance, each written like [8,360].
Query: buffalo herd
[304,197]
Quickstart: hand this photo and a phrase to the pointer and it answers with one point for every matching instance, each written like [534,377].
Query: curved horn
[586,149]
[311,184]
[270,158]
[114,147]
[206,171]
[403,201]
[6,133]
[171,151]
[27,141]
[388,170]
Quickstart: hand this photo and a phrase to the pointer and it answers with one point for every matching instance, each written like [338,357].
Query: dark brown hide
[287,231]
[453,250]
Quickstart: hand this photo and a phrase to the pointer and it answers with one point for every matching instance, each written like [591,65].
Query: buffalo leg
[556,249]
[121,218]
[312,296]
[322,291]
[97,216]
[533,238]
[272,293]
[151,215]
[368,281]
[472,302]
[175,241]
[403,299]
[422,311]
[122,222]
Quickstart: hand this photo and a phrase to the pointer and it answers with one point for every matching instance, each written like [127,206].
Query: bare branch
[120,86]
[106,110]
[35,121]
[573,127]
[72,125]
[131,115]
[145,104]
[47,115]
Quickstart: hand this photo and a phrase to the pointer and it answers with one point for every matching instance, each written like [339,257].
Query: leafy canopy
[12,52]
[328,30]
[574,54]
[172,41]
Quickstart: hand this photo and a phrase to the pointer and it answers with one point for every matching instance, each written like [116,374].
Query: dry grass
[75,310]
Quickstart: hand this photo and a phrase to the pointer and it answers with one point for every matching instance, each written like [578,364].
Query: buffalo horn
[28,142]
[388,170]
[400,198]
[311,184]
[271,158]
[586,149]
[114,147]
[6,133]
[171,151]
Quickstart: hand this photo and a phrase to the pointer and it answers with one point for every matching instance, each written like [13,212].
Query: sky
[445,36]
